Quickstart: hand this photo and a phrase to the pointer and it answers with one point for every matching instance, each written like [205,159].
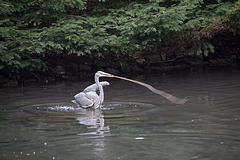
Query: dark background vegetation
[69,39]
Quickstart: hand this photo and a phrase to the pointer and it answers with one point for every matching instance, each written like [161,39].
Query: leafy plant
[30,29]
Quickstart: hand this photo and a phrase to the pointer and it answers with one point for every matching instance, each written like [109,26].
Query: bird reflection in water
[93,119]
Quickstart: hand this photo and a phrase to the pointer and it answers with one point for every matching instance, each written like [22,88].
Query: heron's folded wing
[83,100]
[94,97]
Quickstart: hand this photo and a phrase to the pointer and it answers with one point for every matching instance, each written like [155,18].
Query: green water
[41,122]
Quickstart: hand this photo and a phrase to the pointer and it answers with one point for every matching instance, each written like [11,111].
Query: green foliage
[19,50]
[21,44]
[30,29]
[201,48]
[44,13]
[79,36]
[5,8]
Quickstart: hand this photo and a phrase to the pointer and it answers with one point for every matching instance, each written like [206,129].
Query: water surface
[134,123]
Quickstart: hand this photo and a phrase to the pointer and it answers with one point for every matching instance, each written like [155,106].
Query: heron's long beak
[109,75]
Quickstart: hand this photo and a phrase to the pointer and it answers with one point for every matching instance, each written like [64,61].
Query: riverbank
[74,68]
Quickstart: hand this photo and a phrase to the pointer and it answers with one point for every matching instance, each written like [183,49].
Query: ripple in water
[61,107]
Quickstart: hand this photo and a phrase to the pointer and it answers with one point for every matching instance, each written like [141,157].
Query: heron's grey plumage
[86,100]
[89,97]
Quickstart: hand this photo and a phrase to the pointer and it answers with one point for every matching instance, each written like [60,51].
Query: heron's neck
[101,94]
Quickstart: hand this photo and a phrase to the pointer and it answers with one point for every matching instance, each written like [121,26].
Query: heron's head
[103,74]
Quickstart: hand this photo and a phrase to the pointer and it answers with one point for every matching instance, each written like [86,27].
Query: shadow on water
[133,123]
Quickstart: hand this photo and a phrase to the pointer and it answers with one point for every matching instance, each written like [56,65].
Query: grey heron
[89,97]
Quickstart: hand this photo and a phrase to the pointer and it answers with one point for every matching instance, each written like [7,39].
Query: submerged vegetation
[31,31]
